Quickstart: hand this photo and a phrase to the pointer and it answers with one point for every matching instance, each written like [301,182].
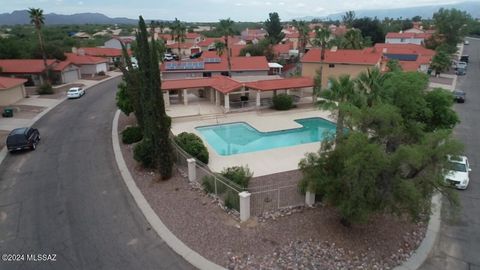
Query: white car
[168,57]
[75,92]
[466,42]
[458,172]
[462,65]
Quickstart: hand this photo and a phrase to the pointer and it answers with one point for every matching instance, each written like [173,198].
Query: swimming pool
[240,137]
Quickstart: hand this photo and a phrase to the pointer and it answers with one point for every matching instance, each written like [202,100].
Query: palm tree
[353,39]
[370,84]
[219,48]
[303,34]
[321,40]
[348,18]
[340,97]
[225,27]
[37,19]
[178,32]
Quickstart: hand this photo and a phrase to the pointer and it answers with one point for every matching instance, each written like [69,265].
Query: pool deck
[261,162]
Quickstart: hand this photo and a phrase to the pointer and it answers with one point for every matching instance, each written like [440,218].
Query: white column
[244,205]
[288,91]
[212,95]
[192,172]
[185,97]
[227,102]
[166,98]
[309,198]
[258,102]
[217,98]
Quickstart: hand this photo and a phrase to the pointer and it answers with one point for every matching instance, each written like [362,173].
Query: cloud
[80,3]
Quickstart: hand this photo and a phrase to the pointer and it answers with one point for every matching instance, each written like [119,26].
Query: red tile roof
[279,84]
[102,52]
[292,35]
[208,41]
[220,83]
[359,57]
[24,65]
[184,45]
[403,49]
[7,83]
[236,49]
[282,48]
[84,59]
[192,35]
[408,35]
[62,65]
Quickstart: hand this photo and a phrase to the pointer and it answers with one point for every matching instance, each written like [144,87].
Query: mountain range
[21,16]
[424,11]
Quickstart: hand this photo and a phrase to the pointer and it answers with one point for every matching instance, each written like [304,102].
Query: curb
[165,234]
[420,255]
[3,151]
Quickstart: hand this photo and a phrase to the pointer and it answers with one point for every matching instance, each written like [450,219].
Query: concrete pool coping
[260,162]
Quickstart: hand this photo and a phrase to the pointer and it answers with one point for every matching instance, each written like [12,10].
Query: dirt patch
[24,111]
[307,238]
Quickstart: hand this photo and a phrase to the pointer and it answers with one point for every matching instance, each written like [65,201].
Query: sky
[211,10]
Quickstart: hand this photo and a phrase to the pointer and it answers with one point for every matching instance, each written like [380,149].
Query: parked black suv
[459,96]
[23,138]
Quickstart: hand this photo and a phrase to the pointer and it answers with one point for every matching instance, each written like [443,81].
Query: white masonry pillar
[185,97]
[166,98]
[192,172]
[258,102]
[309,198]
[212,95]
[244,205]
[227,102]
[217,98]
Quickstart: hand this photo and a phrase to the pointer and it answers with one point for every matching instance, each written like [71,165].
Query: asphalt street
[67,198]
[458,244]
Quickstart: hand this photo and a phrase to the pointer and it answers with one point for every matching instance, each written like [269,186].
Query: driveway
[458,244]
[67,197]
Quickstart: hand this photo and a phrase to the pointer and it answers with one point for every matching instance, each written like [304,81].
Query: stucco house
[89,65]
[33,70]
[406,38]
[210,65]
[11,90]
[112,55]
[411,57]
[116,42]
[339,62]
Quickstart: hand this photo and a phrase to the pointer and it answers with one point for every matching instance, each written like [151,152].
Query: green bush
[238,174]
[193,145]
[143,153]
[132,135]
[282,102]
[232,200]
[45,89]
[208,184]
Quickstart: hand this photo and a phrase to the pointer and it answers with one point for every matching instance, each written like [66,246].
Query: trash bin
[7,112]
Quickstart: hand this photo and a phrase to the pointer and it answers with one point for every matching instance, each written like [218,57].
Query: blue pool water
[237,138]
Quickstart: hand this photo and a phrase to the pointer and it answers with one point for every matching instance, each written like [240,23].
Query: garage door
[70,76]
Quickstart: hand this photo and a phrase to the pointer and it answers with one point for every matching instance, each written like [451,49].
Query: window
[331,65]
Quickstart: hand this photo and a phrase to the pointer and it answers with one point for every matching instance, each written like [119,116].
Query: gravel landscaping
[293,238]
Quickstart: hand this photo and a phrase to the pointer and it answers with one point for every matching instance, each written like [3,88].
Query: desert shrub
[45,89]
[132,135]
[143,153]
[282,102]
[208,184]
[238,174]
[232,200]
[193,145]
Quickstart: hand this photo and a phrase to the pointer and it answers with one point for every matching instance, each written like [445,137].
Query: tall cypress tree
[156,122]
